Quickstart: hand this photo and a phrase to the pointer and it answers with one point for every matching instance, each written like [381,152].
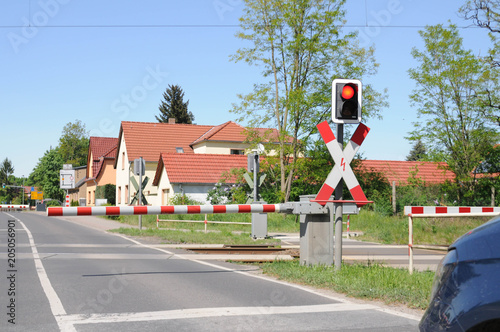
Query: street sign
[342,159]
[67,179]
[36,195]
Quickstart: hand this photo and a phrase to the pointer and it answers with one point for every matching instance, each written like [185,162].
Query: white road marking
[55,303]
[211,312]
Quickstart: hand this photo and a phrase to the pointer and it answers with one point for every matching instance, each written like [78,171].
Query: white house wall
[197,192]
[122,175]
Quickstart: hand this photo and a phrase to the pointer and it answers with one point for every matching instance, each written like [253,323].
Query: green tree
[418,152]
[452,125]
[300,46]
[45,175]
[110,193]
[6,169]
[174,107]
[486,14]
[74,144]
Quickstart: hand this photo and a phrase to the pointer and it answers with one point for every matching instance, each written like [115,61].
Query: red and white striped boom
[166,209]
[16,207]
[451,211]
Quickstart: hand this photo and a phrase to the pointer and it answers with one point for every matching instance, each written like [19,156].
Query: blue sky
[108,61]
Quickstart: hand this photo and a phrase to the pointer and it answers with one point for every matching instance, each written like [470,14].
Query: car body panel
[468,289]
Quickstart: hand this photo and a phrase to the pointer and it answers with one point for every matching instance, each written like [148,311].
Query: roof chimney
[171,120]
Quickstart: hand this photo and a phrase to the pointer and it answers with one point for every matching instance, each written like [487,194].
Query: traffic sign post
[334,183]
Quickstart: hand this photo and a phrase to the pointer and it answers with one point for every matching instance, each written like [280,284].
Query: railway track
[241,249]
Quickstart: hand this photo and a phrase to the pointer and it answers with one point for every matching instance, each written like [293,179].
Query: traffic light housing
[346,101]
[3,185]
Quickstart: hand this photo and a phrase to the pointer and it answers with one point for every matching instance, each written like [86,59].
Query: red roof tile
[197,168]
[400,171]
[233,132]
[100,148]
[148,139]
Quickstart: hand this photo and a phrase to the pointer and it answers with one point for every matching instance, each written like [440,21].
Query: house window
[126,194]
[123,160]
[119,198]
[179,150]
[237,151]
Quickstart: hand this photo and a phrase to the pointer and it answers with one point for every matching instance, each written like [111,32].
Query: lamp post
[23,189]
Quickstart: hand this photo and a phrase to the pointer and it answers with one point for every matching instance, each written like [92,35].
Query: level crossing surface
[69,277]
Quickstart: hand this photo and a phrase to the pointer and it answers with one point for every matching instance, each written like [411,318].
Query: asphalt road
[63,276]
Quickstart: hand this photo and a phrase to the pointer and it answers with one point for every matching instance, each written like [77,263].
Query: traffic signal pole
[338,208]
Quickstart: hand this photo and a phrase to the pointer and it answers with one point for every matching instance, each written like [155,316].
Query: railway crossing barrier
[9,207]
[442,212]
[316,243]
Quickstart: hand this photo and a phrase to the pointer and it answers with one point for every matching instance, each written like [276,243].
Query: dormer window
[179,150]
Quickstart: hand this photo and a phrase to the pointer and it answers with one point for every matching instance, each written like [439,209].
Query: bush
[183,199]
[53,203]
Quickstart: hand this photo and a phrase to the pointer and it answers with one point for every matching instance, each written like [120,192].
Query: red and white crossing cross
[342,159]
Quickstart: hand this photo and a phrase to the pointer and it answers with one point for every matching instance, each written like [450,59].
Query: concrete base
[316,238]
[259,224]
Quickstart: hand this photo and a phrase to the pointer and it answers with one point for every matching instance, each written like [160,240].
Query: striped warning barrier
[166,209]
[442,212]
[415,211]
[14,207]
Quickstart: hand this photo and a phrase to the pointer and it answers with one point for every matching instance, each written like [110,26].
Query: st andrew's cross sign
[342,167]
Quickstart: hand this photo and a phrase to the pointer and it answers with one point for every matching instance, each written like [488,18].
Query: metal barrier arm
[17,207]
[166,209]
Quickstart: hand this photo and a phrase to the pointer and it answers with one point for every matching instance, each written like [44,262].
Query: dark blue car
[466,291]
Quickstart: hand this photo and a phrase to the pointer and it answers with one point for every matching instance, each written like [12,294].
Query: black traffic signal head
[346,101]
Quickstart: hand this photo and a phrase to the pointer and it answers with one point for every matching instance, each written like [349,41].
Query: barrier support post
[410,243]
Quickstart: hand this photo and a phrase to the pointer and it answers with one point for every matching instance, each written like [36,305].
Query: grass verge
[364,281]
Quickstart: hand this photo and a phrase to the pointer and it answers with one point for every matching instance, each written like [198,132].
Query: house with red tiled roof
[148,140]
[403,171]
[193,174]
[100,166]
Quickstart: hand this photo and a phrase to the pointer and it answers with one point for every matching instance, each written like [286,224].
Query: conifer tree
[173,106]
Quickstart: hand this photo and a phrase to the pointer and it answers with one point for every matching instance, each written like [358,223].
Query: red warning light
[347,92]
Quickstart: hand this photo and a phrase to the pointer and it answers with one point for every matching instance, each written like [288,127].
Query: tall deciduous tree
[74,144]
[45,175]
[486,14]
[300,47]
[174,107]
[452,125]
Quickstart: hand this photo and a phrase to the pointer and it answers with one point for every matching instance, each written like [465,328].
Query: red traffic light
[346,100]
[347,92]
